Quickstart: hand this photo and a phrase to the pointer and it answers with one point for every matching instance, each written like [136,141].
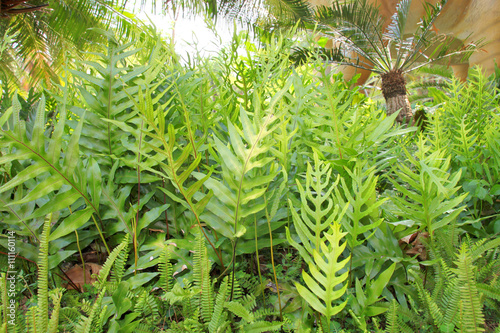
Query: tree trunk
[394,91]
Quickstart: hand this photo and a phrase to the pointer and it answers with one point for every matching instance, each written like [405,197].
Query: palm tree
[37,35]
[360,41]
[12,7]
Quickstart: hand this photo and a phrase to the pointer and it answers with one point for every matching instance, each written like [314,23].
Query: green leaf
[71,223]
[322,289]
[95,181]
[376,287]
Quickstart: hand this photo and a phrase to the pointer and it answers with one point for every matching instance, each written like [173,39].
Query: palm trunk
[394,91]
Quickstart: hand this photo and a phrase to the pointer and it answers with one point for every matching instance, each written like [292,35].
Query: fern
[69,318]
[465,126]
[59,177]
[105,93]
[262,326]
[430,201]
[42,321]
[247,171]
[201,278]
[165,268]
[119,264]
[203,310]
[457,293]
[31,319]
[430,304]
[312,224]
[321,291]
[106,268]
[115,200]
[146,305]
[472,318]
[362,214]
[252,320]
[154,116]
[91,323]
[238,195]
[219,317]
[394,323]
[56,296]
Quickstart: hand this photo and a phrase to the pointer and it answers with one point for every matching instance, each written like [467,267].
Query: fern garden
[244,193]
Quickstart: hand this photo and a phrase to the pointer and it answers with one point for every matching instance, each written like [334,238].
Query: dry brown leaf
[76,275]
[418,248]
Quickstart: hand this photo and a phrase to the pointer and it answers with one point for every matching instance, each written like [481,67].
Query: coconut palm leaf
[40,39]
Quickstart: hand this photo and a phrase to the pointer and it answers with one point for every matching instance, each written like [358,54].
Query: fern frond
[312,223]
[483,245]
[105,93]
[69,318]
[490,291]
[101,320]
[247,170]
[201,279]
[56,296]
[178,167]
[241,311]
[450,302]
[472,317]
[249,301]
[394,323]
[106,268]
[90,324]
[119,265]
[263,326]
[392,318]
[431,306]
[321,292]
[42,321]
[165,268]
[218,317]
[146,305]
[56,168]
[465,143]
[361,198]
[31,319]
[430,201]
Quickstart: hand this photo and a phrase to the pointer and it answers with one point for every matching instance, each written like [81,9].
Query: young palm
[361,40]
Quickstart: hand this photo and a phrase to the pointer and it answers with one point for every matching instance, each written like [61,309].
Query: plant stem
[81,258]
[257,256]
[268,218]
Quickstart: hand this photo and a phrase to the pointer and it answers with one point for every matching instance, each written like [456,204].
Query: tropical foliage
[241,193]
[361,39]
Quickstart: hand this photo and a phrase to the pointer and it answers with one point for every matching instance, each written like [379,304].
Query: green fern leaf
[54,167]
[165,268]
[56,296]
[429,202]
[90,324]
[321,292]
[472,317]
[201,279]
[218,318]
[106,268]
[42,321]
[426,299]
[361,198]
[262,326]
[312,223]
